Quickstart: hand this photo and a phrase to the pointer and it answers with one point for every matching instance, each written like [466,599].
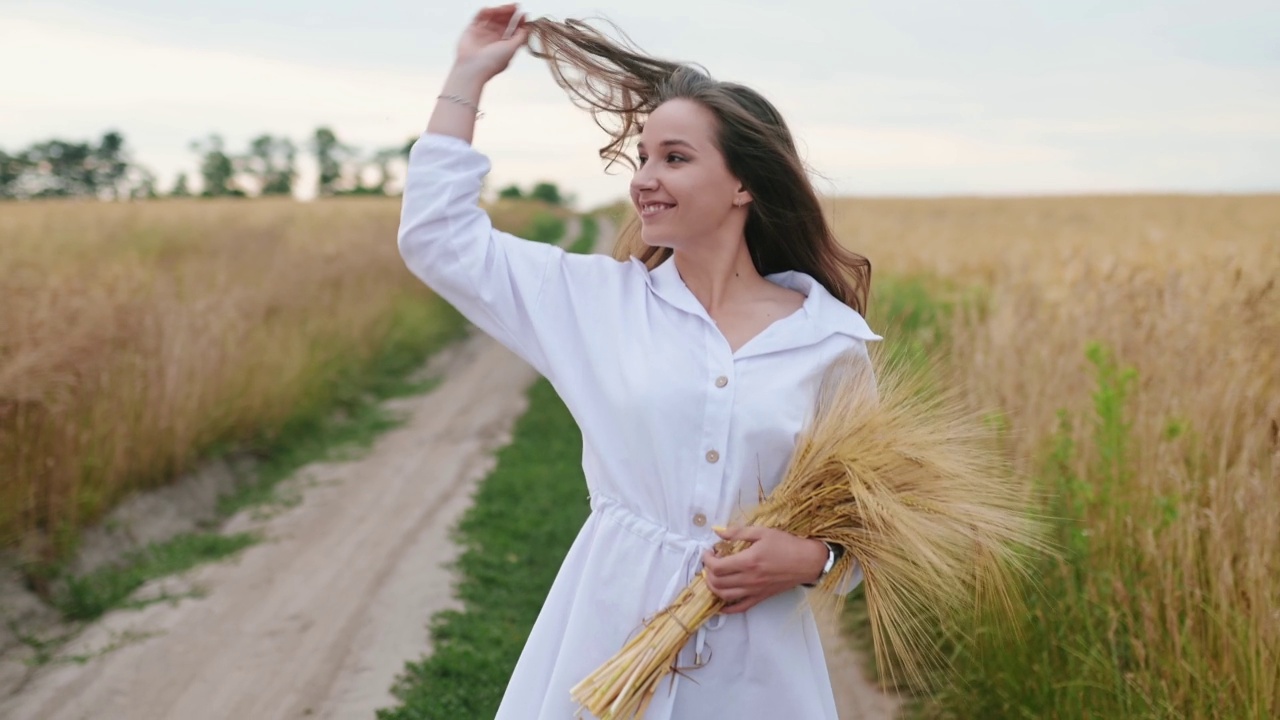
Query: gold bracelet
[458,99]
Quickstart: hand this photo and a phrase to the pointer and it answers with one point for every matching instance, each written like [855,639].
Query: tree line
[268,167]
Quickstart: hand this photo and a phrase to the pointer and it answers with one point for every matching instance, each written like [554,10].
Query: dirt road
[316,621]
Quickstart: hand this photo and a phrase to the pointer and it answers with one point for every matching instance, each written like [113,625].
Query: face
[682,190]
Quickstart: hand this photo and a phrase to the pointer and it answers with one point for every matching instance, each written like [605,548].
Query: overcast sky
[913,97]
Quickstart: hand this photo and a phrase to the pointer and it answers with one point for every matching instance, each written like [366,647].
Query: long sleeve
[494,279]
[550,307]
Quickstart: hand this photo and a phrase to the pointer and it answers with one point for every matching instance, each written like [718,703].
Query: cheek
[697,196]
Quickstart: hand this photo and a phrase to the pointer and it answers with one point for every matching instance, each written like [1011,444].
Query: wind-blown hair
[620,86]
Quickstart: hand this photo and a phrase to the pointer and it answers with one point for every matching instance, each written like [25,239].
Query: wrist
[822,561]
[467,76]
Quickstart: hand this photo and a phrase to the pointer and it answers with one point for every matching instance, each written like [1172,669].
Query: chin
[653,239]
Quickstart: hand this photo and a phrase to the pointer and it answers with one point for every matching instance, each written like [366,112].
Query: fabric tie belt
[690,551]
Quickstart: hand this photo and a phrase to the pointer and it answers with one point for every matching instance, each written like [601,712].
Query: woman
[690,362]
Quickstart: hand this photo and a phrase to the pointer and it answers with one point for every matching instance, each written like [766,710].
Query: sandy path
[857,698]
[317,621]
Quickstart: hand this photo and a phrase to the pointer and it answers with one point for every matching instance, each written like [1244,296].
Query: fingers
[717,568]
[745,561]
[747,533]
[502,14]
[513,23]
[728,593]
[496,18]
[503,23]
[740,606]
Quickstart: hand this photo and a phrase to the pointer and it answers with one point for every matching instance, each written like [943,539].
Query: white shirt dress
[678,434]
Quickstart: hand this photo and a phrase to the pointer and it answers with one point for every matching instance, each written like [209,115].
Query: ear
[742,197]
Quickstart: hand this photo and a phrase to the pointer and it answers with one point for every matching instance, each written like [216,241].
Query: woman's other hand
[776,561]
[485,47]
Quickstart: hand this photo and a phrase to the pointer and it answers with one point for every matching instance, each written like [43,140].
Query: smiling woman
[718,141]
[691,362]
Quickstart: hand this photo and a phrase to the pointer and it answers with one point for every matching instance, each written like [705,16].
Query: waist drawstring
[691,556]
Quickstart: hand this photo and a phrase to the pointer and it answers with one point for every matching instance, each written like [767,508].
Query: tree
[330,155]
[379,165]
[217,169]
[180,189]
[511,192]
[57,168]
[12,168]
[547,192]
[272,161]
[111,167]
[62,168]
[142,185]
[382,160]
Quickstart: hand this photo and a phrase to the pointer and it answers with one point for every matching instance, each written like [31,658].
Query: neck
[718,277]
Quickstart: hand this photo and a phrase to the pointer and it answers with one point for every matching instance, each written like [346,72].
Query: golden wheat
[1185,552]
[133,336]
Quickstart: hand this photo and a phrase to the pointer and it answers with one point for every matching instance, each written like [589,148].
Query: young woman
[690,362]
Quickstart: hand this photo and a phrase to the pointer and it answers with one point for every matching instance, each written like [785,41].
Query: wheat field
[1156,450]
[137,337]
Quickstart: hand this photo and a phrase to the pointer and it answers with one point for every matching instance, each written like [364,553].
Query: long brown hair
[620,85]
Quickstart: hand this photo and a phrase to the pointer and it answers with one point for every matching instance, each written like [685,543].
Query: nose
[642,181]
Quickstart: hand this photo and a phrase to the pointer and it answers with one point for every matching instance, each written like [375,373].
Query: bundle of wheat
[898,470]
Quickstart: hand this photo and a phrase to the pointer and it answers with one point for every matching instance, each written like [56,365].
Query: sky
[905,98]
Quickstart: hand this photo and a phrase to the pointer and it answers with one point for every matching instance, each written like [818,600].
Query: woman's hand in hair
[485,46]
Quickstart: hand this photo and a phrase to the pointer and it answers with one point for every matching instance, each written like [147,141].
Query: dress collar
[821,316]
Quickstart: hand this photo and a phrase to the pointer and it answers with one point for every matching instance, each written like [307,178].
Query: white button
[722,381]
[699,519]
[712,456]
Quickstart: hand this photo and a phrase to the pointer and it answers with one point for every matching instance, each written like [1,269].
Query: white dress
[678,432]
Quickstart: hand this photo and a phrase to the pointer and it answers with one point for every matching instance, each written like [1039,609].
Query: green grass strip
[587,235]
[345,420]
[351,416]
[514,537]
[90,595]
[344,416]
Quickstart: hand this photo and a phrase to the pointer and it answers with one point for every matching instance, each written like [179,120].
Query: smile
[652,209]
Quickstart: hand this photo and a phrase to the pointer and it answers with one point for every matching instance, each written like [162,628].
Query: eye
[671,157]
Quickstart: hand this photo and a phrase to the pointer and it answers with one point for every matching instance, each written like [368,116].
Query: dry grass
[1163,461]
[137,337]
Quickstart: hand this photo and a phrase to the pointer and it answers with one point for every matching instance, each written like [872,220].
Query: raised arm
[547,306]
[484,50]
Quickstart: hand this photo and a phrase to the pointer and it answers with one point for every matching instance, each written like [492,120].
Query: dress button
[712,456]
[699,519]
[722,381]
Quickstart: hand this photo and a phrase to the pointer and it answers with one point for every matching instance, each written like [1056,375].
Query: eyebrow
[666,143]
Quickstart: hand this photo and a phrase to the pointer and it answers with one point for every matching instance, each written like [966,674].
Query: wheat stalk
[906,479]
